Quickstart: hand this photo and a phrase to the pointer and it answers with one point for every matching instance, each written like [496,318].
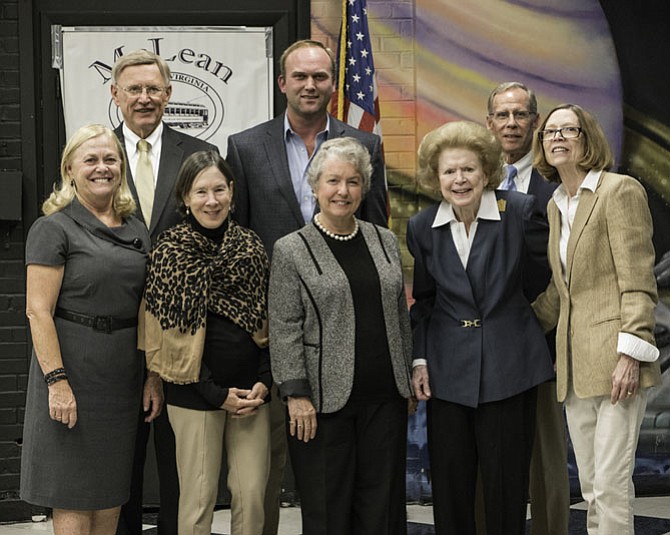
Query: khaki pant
[199,438]
[604,438]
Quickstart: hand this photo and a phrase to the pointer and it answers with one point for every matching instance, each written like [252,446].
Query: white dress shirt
[155,139]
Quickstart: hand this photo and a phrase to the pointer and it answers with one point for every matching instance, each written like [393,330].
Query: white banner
[222,80]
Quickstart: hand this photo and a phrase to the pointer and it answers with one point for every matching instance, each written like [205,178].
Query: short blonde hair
[597,155]
[63,193]
[459,135]
[346,149]
[141,57]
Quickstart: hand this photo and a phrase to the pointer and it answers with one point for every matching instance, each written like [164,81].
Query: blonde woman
[85,274]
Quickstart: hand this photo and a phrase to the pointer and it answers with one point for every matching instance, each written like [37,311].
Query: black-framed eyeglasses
[136,90]
[520,116]
[567,132]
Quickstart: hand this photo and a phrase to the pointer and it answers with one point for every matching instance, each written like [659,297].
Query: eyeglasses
[136,90]
[520,116]
[567,132]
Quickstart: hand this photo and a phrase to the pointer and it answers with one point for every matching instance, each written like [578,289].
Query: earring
[188,211]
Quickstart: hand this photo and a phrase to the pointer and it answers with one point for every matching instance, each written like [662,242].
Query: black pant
[497,437]
[351,477]
[130,520]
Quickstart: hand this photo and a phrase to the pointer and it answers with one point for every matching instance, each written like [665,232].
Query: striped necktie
[144,180]
[509,183]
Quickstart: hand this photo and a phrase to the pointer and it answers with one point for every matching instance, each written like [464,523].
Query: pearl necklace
[338,237]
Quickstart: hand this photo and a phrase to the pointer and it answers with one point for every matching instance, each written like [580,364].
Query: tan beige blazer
[610,285]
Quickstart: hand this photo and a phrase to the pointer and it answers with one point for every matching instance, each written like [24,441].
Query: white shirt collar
[524,164]
[488,209]
[590,182]
[131,138]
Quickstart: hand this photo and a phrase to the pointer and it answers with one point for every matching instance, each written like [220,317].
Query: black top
[230,357]
[373,374]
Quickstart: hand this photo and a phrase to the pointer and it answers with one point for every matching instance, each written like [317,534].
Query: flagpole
[342,62]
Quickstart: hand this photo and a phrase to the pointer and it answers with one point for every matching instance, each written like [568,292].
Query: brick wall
[13,332]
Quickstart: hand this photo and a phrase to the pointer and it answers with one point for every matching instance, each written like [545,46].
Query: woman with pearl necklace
[340,348]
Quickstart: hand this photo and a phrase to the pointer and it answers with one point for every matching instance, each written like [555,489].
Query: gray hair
[346,149]
[506,86]
[141,57]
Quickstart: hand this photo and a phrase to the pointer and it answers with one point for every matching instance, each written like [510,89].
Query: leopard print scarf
[189,275]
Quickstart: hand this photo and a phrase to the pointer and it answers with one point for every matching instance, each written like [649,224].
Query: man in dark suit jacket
[271,193]
[141,89]
[512,118]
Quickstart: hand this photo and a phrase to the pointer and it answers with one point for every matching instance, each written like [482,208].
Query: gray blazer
[265,200]
[312,328]
[176,148]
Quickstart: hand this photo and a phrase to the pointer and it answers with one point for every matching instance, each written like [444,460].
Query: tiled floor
[417,515]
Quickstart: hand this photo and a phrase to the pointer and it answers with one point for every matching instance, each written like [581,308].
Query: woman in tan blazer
[601,297]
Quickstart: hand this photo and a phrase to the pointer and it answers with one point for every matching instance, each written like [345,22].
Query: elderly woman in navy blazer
[340,348]
[480,349]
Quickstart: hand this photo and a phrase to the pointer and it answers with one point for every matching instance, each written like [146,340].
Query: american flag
[356,100]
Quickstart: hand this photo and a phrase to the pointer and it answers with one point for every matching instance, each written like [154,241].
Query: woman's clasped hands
[243,401]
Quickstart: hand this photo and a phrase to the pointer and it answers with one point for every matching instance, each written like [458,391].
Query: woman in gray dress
[85,274]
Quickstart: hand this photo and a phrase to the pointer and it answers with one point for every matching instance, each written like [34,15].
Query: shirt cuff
[419,362]
[637,348]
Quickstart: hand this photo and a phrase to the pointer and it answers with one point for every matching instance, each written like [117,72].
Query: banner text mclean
[185,55]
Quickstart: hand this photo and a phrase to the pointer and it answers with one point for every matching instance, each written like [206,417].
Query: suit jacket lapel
[553,248]
[129,174]
[278,168]
[168,168]
[446,254]
[532,183]
[587,201]
[336,128]
[479,259]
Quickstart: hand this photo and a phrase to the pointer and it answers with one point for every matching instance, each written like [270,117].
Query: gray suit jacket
[311,314]
[176,148]
[264,198]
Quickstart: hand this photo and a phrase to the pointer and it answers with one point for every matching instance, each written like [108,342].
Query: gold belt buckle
[471,323]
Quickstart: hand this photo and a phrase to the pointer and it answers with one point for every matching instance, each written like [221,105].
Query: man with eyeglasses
[141,89]
[513,117]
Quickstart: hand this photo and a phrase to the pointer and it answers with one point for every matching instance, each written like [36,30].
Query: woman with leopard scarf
[203,326]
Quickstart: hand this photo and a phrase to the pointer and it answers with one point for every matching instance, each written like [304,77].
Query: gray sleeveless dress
[87,467]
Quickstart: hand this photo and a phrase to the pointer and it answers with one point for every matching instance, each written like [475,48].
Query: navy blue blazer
[476,327]
[539,273]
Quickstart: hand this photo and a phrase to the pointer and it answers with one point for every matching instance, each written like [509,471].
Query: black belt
[105,324]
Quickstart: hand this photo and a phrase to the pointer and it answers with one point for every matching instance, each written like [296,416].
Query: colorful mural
[438,60]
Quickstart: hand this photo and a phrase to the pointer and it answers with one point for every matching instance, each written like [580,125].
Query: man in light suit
[141,89]
[272,197]
[512,118]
